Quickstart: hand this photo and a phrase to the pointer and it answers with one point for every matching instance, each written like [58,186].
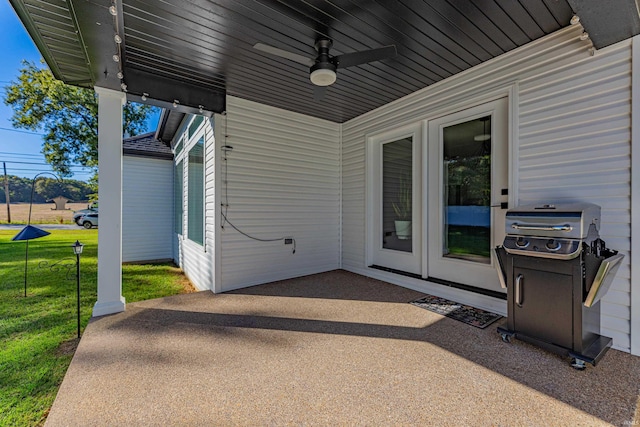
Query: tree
[45,189]
[19,189]
[72,189]
[68,115]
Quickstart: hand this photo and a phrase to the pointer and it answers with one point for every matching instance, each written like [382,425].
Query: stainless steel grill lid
[570,221]
[550,231]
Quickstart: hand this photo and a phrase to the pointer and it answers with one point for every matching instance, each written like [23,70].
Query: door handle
[535,227]
[503,205]
[518,290]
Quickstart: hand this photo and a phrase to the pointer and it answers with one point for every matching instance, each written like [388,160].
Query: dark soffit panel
[204,48]
[168,125]
[211,43]
[53,29]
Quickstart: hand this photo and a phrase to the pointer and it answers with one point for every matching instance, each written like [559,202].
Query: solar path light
[77,249]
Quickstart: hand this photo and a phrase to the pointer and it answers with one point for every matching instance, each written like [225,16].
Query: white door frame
[405,261]
[510,91]
[460,271]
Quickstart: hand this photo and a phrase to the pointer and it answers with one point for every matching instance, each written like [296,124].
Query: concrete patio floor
[329,349]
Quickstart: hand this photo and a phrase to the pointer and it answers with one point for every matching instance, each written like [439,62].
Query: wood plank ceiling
[194,51]
[212,45]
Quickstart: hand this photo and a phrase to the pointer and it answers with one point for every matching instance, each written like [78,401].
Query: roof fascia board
[148,154]
[173,94]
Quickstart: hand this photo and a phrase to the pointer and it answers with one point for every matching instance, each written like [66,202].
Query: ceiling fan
[322,71]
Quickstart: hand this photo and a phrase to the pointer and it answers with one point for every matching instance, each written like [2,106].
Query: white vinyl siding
[570,141]
[147,209]
[575,145]
[283,180]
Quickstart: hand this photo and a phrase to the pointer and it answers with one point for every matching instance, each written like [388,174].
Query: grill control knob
[521,242]
[553,245]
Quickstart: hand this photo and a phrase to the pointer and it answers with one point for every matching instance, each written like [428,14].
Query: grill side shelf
[603,279]
[501,265]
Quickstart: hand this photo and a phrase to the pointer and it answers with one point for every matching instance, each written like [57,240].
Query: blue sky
[20,149]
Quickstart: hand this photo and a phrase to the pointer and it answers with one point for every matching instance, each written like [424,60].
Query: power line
[6,153]
[11,171]
[21,131]
[42,164]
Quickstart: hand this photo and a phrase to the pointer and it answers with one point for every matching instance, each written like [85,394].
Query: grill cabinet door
[546,310]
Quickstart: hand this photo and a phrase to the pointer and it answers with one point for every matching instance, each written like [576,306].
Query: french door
[467,187]
[395,175]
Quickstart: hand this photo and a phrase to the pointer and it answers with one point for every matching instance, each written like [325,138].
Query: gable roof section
[146,145]
[192,54]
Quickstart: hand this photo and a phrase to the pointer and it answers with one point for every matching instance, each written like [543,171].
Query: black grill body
[554,293]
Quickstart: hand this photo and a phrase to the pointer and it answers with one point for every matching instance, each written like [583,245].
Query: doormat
[454,310]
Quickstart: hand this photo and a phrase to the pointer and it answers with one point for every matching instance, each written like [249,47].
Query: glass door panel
[466,165]
[397,195]
[394,199]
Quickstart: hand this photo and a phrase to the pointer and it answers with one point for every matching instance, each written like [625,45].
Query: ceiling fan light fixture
[484,136]
[323,77]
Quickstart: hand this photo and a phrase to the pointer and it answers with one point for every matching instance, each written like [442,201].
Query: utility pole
[6,192]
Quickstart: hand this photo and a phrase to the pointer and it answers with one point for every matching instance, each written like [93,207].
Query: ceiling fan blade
[319,92]
[285,54]
[362,57]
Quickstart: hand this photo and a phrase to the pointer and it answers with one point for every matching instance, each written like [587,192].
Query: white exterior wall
[283,180]
[197,261]
[147,209]
[570,140]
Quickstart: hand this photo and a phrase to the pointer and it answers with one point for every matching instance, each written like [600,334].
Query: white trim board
[635,196]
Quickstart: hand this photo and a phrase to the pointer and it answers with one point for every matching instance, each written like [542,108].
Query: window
[178,198]
[195,193]
[195,124]
[178,148]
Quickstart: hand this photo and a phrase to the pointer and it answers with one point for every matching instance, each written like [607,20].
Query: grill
[556,269]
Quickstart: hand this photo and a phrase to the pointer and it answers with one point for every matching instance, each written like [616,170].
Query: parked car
[91,208]
[88,220]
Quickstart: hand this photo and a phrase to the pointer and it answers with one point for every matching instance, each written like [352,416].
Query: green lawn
[37,333]
[465,240]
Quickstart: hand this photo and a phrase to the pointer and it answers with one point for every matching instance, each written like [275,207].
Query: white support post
[110,299]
